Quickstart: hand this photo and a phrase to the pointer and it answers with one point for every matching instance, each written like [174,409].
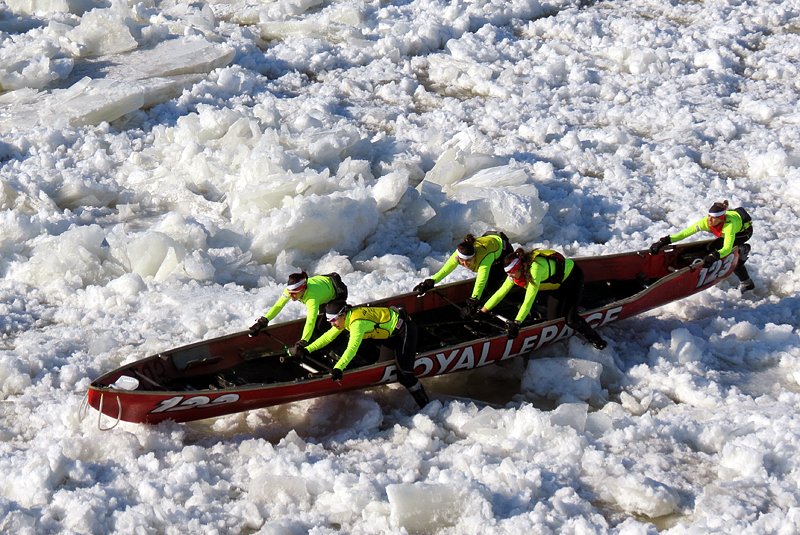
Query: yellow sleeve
[312,311]
[357,330]
[329,336]
[278,306]
[483,276]
[728,235]
[530,296]
[447,268]
[691,229]
[498,296]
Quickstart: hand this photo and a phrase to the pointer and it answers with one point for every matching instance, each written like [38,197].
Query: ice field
[165,166]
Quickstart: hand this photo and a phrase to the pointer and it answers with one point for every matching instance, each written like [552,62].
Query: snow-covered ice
[165,166]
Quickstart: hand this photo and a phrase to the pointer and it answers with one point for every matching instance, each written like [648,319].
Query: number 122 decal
[182,403]
[718,270]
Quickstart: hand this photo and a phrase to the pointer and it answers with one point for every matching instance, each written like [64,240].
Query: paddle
[498,317]
[261,353]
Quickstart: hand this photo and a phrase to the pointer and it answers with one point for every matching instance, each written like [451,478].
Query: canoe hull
[157,402]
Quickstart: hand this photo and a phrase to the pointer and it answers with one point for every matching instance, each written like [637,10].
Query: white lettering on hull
[182,403]
[463,358]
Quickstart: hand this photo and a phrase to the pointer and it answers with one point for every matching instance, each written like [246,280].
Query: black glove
[660,244]
[336,374]
[424,286]
[710,258]
[259,326]
[512,328]
[299,350]
[470,309]
[481,316]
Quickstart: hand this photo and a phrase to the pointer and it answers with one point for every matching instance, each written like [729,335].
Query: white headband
[341,312]
[462,256]
[717,214]
[292,288]
[513,265]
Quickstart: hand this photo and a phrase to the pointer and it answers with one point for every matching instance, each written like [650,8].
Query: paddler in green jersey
[545,270]
[483,256]
[732,229]
[392,328]
[313,292]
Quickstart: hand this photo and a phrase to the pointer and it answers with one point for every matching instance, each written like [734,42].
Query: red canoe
[237,372]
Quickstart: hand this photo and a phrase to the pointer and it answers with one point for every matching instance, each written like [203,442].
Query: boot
[595,339]
[741,272]
[419,395]
[746,285]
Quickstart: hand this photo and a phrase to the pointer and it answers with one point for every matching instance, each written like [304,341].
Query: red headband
[513,265]
[297,287]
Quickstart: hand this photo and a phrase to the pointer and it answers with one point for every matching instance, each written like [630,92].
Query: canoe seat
[194,357]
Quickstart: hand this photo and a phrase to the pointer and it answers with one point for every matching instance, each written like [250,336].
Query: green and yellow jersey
[319,290]
[732,225]
[488,250]
[362,323]
[542,269]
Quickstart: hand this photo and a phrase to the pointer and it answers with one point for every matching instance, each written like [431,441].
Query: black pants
[744,250]
[402,345]
[564,303]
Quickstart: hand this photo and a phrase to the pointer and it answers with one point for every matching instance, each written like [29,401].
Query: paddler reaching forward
[392,328]
[732,229]
[314,293]
[483,256]
[546,270]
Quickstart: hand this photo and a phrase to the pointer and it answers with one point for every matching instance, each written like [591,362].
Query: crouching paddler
[732,229]
[391,328]
[314,293]
[546,270]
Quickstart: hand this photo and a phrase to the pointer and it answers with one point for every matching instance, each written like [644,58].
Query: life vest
[555,276]
[484,246]
[505,244]
[339,287]
[557,259]
[380,316]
